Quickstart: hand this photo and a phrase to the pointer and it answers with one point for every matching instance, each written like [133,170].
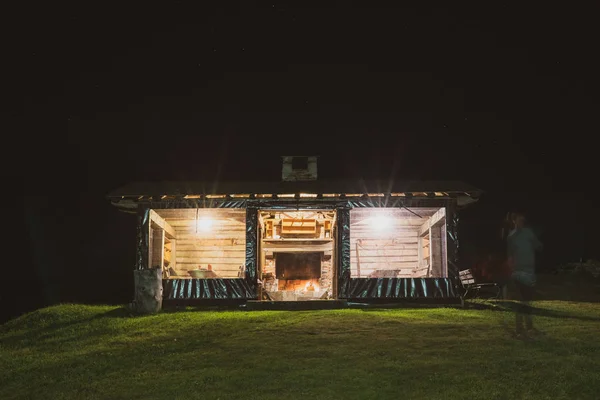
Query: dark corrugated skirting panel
[209,289]
[343,226]
[400,288]
[252,248]
[143,238]
[452,244]
[359,288]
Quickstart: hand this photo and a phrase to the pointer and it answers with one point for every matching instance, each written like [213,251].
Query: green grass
[101,352]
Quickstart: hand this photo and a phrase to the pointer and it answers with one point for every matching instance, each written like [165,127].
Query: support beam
[432,255]
[435,218]
[158,220]
[290,248]
[437,268]
[438,216]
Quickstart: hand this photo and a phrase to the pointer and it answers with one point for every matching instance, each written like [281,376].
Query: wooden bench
[473,288]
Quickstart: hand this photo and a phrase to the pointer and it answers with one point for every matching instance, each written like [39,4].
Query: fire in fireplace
[298,271]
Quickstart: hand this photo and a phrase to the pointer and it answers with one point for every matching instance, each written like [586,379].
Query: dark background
[502,97]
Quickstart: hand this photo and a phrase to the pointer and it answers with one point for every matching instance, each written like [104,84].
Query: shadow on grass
[39,324]
[171,309]
[512,306]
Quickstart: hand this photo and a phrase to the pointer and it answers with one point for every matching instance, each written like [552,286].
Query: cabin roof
[337,187]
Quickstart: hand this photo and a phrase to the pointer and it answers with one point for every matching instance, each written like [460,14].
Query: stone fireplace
[297,248]
[299,276]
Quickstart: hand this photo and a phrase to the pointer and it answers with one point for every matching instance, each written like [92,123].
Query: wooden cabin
[299,239]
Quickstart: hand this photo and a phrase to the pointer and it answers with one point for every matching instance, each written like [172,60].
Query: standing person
[522,245]
[502,276]
[502,267]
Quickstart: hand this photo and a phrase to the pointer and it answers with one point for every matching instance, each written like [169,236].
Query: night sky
[504,98]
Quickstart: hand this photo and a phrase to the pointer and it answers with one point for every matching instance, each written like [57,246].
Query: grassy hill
[101,352]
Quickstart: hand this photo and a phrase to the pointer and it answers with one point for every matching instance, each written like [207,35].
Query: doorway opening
[297,255]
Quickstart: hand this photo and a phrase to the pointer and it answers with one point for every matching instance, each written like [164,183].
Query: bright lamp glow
[381,222]
[204,224]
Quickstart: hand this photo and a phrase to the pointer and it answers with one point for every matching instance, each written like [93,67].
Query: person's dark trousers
[525,293]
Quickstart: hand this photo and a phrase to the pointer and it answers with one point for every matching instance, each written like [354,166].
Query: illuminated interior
[297,254]
[203,243]
[398,243]
[296,251]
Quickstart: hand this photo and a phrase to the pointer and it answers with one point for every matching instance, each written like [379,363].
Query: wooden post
[444,249]
[420,252]
[157,244]
[357,260]
[173,254]
[148,291]
[150,246]
[432,255]
[436,251]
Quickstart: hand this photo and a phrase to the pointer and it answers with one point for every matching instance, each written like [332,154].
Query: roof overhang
[130,196]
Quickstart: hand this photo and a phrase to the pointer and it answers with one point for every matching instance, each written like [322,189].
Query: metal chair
[470,286]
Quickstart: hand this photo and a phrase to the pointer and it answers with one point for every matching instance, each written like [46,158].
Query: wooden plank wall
[223,246]
[403,249]
[396,252]
[424,255]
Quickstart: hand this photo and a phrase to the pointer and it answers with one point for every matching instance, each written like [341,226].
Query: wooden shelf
[269,229]
[299,240]
[298,226]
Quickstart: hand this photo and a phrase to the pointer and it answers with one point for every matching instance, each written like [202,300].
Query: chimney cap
[308,172]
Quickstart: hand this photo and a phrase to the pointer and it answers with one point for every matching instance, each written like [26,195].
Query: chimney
[299,168]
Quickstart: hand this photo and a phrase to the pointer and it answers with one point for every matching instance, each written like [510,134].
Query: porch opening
[296,255]
[398,243]
[204,243]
